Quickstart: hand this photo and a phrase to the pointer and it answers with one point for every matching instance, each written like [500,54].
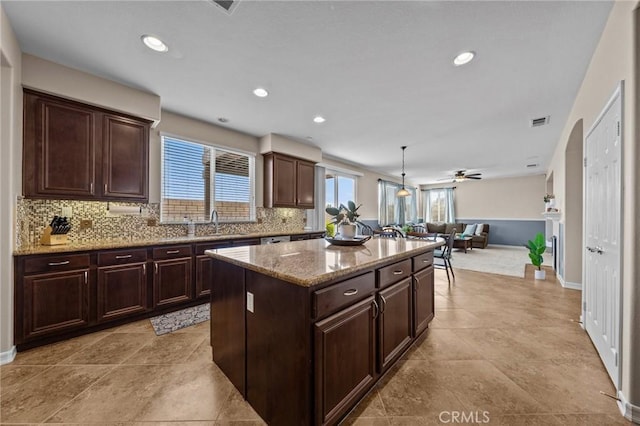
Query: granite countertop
[129,242]
[311,262]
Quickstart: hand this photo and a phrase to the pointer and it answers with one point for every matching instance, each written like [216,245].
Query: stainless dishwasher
[274,240]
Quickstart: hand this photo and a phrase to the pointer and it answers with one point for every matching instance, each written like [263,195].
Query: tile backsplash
[34,215]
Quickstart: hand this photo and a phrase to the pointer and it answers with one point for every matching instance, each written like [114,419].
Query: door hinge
[618,123]
[584,306]
[584,161]
[615,360]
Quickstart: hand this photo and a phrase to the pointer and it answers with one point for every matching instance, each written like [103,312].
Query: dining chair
[364,229]
[387,233]
[444,253]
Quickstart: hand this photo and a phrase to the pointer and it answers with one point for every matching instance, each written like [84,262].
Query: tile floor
[504,350]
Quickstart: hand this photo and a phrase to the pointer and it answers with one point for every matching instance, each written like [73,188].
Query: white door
[602,234]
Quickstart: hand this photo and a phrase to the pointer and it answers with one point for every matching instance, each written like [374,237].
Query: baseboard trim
[569,284]
[629,411]
[8,356]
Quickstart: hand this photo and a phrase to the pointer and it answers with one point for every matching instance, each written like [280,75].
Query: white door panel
[603,207]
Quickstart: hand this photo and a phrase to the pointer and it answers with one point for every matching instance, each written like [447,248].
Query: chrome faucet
[214,213]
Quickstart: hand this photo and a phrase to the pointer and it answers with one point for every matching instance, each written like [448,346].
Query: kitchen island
[304,329]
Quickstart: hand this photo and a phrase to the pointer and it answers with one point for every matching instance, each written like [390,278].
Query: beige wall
[612,62]
[277,143]
[10,171]
[46,76]
[507,198]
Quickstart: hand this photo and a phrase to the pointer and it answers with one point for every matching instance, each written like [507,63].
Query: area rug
[495,259]
[163,324]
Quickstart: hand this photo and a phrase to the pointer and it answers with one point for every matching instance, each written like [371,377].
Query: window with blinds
[199,178]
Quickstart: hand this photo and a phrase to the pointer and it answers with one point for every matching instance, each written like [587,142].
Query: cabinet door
[423,299]
[305,184]
[55,302]
[125,155]
[172,281]
[284,181]
[59,148]
[344,359]
[122,291]
[204,275]
[395,322]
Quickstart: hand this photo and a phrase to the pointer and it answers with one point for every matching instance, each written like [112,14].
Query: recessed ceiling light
[260,92]
[319,119]
[154,43]
[464,58]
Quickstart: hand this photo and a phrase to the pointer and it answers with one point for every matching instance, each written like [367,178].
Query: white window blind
[193,185]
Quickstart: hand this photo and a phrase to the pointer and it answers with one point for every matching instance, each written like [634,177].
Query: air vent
[532,165]
[227,5]
[537,122]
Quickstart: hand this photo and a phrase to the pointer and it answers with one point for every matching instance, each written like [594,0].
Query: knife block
[49,239]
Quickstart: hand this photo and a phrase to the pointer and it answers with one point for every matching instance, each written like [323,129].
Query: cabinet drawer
[422,261]
[200,248]
[342,294]
[56,263]
[171,252]
[121,257]
[394,273]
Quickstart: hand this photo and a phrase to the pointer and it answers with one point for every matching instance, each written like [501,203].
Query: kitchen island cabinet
[304,329]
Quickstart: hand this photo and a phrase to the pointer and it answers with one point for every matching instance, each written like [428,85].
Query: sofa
[480,239]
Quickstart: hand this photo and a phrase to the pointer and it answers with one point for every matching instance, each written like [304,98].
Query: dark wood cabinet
[288,181]
[54,302]
[423,307]
[395,321]
[122,284]
[76,151]
[345,354]
[125,154]
[59,148]
[172,281]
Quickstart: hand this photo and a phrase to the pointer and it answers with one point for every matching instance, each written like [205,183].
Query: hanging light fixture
[403,192]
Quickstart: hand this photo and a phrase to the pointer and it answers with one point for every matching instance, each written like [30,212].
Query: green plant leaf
[332,211]
[352,206]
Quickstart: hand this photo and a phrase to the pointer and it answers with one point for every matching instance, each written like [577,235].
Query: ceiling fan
[460,176]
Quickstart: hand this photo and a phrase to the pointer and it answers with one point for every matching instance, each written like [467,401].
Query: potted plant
[536,247]
[345,217]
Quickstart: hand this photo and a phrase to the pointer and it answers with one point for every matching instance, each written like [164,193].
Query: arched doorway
[571,229]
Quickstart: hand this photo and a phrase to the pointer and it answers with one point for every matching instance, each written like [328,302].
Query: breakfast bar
[304,329]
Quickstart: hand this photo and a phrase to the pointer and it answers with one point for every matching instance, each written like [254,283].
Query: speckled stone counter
[311,262]
[127,243]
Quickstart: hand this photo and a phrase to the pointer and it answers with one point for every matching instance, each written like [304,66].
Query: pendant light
[403,192]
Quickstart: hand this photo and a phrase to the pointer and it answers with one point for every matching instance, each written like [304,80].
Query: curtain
[451,213]
[316,217]
[426,204]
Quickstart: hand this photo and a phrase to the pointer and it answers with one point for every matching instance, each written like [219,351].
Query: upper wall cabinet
[288,181]
[76,151]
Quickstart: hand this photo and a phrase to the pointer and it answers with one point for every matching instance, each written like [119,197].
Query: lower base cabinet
[423,307]
[172,281]
[345,359]
[122,291]
[395,322]
[55,302]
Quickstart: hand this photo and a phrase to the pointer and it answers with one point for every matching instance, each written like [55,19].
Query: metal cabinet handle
[376,310]
[105,188]
[86,277]
[173,251]
[383,306]
[351,292]
[64,262]
[125,256]
[398,272]
[144,269]
[156,268]
[425,261]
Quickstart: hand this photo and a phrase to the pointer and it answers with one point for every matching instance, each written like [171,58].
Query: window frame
[252,177]
[336,174]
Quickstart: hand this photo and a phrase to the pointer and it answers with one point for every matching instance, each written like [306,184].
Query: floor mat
[163,324]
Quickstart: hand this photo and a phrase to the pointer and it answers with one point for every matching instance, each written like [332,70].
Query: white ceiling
[381,72]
